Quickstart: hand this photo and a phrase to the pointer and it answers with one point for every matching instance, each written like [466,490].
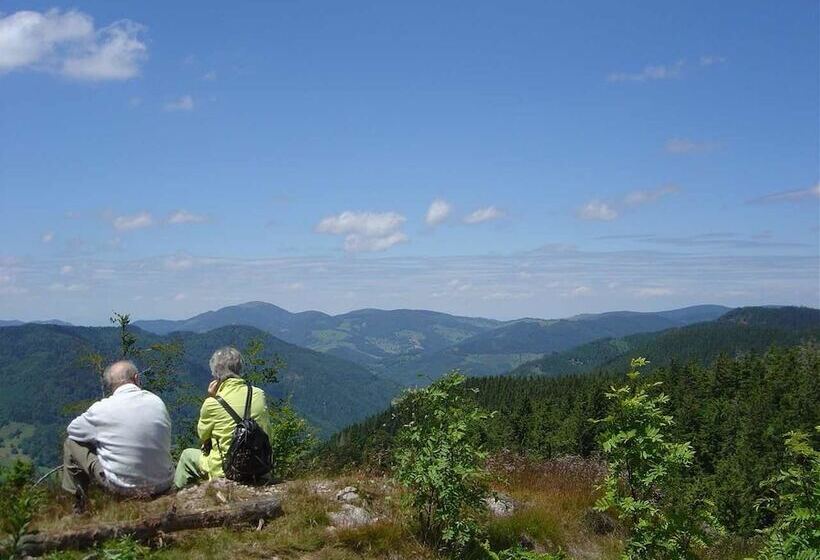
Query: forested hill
[735,412]
[743,330]
[42,371]
[364,336]
[498,350]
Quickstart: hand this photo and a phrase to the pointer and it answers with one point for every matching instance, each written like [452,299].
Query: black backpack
[249,456]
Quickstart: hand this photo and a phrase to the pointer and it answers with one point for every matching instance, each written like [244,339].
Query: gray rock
[348,494]
[500,505]
[351,516]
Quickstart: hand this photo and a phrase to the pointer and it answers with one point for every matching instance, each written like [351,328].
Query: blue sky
[482,158]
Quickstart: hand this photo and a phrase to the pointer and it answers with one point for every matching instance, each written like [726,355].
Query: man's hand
[213,387]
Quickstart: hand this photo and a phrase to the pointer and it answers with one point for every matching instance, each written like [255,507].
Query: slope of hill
[740,331]
[364,336]
[735,412]
[508,346]
[42,372]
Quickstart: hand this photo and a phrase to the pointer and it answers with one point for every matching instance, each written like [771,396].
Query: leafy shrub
[125,548]
[794,498]
[290,437]
[521,554]
[19,503]
[643,485]
[439,459]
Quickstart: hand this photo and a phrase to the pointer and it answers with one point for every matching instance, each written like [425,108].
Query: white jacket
[131,431]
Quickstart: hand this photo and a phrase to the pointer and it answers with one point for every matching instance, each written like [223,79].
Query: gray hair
[120,373]
[226,362]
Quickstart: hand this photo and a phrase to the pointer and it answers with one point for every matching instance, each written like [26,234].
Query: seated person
[122,443]
[215,426]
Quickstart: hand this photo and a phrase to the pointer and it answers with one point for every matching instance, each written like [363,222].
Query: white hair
[226,362]
[120,373]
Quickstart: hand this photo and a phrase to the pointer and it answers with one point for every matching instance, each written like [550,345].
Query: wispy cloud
[649,73]
[438,211]
[47,237]
[794,196]
[669,71]
[209,76]
[711,60]
[679,146]
[183,103]
[599,210]
[365,231]
[68,43]
[185,217]
[483,215]
[718,240]
[488,285]
[134,221]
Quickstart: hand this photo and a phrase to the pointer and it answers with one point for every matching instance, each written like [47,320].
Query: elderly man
[216,425]
[122,443]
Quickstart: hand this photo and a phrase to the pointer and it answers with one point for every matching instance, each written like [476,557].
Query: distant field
[12,435]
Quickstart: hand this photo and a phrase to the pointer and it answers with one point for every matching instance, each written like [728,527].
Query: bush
[19,502]
[794,498]
[290,438]
[644,481]
[439,459]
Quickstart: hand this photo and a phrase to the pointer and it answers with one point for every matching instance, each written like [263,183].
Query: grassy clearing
[553,500]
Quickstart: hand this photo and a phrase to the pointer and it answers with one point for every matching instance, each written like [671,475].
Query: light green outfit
[215,424]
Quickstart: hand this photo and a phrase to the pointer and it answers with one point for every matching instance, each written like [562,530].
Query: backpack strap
[228,409]
[248,400]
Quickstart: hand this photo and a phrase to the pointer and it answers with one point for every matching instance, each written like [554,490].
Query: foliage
[258,369]
[519,553]
[128,342]
[643,481]
[19,502]
[733,411]
[439,459]
[794,498]
[125,548]
[290,437]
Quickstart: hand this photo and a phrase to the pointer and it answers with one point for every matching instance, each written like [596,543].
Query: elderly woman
[216,427]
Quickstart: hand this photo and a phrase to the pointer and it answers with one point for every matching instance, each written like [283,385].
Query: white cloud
[180,296]
[184,103]
[680,146]
[607,211]
[47,237]
[356,243]
[581,291]
[483,215]
[597,210]
[185,217]
[793,196]
[209,76]
[438,211]
[711,59]
[60,287]
[67,43]
[134,221]
[653,292]
[365,231]
[648,73]
[179,262]
[638,197]
[66,270]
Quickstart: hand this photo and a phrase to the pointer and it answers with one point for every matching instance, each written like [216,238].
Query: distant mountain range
[364,336]
[42,372]
[341,369]
[407,345]
[14,323]
[740,331]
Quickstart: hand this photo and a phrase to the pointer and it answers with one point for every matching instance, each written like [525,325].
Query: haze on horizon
[542,161]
